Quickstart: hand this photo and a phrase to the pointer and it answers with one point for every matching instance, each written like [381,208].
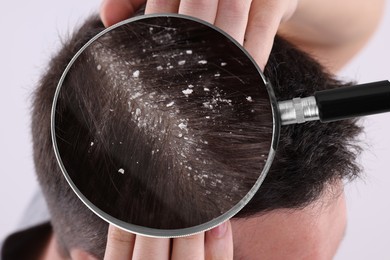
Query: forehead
[314,232]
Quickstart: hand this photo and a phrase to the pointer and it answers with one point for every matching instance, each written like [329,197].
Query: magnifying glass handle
[337,104]
[355,101]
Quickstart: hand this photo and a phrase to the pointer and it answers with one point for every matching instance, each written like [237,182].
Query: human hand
[214,244]
[253,23]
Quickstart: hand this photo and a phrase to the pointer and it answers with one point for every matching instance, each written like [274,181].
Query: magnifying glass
[149,137]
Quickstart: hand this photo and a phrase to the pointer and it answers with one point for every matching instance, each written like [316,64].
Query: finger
[263,23]
[232,17]
[203,9]
[190,247]
[114,11]
[219,242]
[151,248]
[119,244]
[162,6]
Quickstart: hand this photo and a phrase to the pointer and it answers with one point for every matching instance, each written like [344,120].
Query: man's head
[311,159]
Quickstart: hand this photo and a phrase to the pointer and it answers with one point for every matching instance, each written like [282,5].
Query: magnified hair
[180,120]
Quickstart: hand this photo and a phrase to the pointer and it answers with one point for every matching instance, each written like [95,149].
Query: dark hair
[224,137]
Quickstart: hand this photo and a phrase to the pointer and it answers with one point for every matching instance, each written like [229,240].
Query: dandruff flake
[136,74]
[182,126]
[170,104]
[187,91]
[122,171]
[138,112]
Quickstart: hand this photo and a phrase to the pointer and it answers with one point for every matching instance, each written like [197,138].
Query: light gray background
[30,34]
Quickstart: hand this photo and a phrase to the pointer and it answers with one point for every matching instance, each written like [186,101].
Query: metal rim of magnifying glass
[152,232]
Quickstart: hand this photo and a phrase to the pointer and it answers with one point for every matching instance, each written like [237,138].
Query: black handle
[354,101]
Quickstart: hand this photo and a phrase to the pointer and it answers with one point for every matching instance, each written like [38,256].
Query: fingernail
[220,230]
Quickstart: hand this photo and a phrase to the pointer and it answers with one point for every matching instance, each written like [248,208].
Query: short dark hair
[309,158]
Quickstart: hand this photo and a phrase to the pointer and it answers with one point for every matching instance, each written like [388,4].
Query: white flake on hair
[92,143]
[189,52]
[208,105]
[136,95]
[217,74]
[170,104]
[223,64]
[122,171]
[249,98]
[206,89]
[202,62]
[187,91]
[99,67]
[138,112]
[136,74]
[182,126]
[181,62]
[159,68]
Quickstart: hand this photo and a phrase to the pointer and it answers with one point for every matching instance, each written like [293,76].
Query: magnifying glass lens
[163,126]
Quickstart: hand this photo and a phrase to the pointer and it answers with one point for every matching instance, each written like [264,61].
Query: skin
[332,32]
[314,232]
